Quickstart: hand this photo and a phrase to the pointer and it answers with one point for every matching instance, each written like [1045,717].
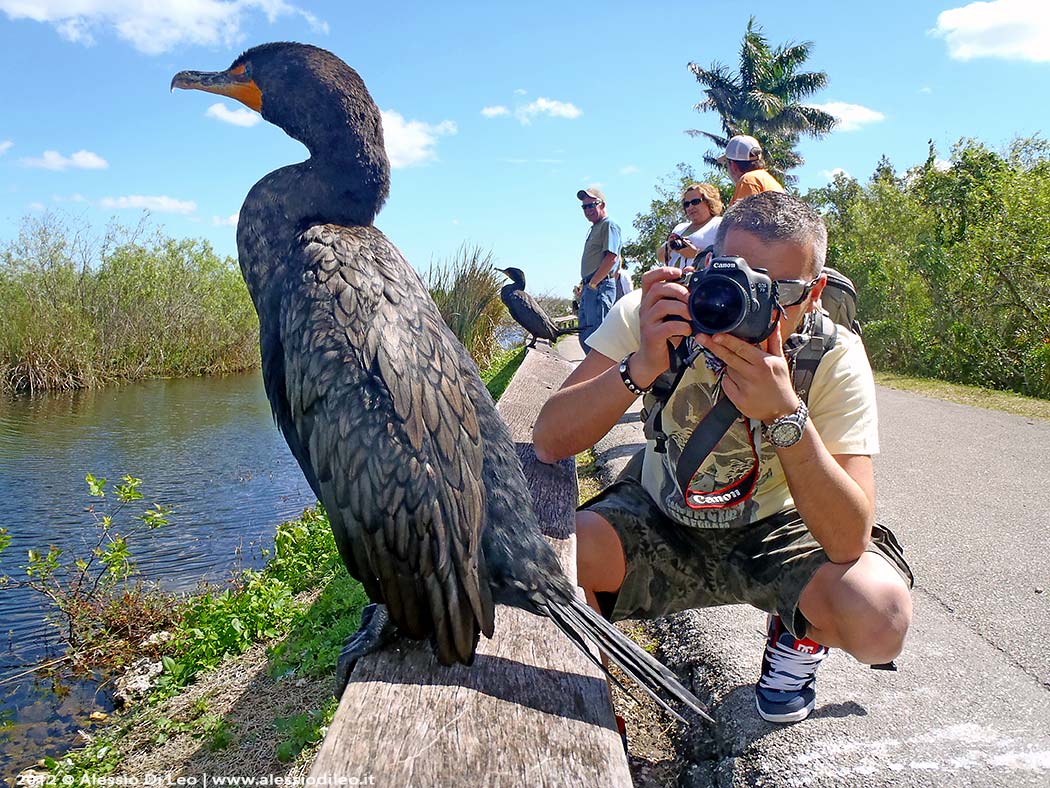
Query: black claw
[376,631]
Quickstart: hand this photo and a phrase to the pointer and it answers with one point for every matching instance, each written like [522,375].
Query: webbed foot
[375,632]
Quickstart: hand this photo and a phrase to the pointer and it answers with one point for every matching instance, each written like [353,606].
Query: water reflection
[205,447]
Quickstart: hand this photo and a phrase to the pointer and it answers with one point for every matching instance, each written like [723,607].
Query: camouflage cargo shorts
[671,567]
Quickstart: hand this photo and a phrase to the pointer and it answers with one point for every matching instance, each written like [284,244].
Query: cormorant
[523,308]
[381,406]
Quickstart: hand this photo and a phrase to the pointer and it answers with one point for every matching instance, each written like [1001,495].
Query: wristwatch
[787,430]
[625,375]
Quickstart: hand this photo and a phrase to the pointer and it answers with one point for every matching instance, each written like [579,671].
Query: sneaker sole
[793,716]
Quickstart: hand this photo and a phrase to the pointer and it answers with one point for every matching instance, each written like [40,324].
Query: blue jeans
[594,306]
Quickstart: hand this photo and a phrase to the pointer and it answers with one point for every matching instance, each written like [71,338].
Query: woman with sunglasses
[703,212]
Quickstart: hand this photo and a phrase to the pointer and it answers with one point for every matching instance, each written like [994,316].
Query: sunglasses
[587,205]
[792,292]
[694,201]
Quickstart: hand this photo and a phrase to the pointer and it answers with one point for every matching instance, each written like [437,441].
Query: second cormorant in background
[380,404]
[525,310]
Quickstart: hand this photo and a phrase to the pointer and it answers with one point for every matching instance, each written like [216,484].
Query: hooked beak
[233,83]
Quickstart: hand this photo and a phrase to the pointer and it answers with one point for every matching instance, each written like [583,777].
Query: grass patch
[302,730]
[497,375]
[261,607]
[1005,401]
[587,475]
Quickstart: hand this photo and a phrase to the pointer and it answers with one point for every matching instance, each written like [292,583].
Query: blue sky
[495,114]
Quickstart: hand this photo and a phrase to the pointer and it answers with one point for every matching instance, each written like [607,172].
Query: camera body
[731,297]
[676,242]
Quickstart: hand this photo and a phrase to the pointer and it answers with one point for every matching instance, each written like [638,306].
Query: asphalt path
[967,491]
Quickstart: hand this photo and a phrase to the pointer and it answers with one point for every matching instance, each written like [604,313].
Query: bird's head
[305,90]
[515,274]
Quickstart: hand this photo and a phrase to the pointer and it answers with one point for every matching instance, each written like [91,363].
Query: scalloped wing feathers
[377,397]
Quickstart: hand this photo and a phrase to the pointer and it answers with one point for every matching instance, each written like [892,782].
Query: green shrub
[952,263]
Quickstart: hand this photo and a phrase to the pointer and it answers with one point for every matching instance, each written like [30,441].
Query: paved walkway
[966,491]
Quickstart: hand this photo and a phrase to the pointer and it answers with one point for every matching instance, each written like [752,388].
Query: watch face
[785,434]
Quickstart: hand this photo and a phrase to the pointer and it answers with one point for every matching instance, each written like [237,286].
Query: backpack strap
[825,335]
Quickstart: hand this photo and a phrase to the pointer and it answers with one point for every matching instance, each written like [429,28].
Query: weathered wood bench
[532,710]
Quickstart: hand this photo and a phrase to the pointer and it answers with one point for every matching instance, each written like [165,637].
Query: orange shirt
[754,182]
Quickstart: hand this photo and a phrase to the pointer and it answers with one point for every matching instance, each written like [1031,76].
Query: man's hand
[757,378]
[663,299]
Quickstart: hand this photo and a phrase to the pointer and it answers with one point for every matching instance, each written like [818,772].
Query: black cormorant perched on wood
[523,308]
[380,404]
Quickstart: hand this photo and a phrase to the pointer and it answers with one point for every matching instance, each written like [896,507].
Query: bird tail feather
[580,623]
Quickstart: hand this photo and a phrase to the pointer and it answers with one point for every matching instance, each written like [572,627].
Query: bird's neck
[287,201]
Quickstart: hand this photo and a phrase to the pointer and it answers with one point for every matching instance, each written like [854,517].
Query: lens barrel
[717,304]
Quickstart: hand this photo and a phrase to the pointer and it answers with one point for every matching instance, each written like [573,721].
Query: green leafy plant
[301,730]
[82,588]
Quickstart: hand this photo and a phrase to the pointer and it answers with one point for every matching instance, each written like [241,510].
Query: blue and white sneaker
[786,692]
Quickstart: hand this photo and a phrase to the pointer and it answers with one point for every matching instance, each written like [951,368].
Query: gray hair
[777,217]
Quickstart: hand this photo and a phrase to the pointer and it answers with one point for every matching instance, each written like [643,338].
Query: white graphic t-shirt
[841,407]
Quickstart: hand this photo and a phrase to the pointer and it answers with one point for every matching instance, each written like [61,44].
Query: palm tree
[764,99]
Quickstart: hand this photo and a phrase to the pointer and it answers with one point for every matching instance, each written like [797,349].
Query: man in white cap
[743,158]
[598,264]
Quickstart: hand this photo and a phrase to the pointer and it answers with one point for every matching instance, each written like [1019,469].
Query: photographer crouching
[746,491]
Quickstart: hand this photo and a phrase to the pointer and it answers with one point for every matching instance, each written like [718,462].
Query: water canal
[205,447]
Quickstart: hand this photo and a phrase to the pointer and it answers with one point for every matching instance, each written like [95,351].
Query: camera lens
[717,304]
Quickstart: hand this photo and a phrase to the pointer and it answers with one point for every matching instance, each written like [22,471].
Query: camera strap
[701,443]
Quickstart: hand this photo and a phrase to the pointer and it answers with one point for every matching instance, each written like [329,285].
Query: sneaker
[786,692]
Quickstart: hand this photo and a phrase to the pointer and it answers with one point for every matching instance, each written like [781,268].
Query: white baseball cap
[741,148]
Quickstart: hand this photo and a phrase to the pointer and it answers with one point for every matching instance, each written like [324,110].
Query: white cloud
[70,198]
[494,112]
[411,142]
[546,106]
[226,221]
[926,90]
[81,160]
[942,165]
[520,91]
[237,117]
[5,146]
[157,204]
[157,26]
[1011,29]
[36,207]
[832,174]
[630,169]
[850,117]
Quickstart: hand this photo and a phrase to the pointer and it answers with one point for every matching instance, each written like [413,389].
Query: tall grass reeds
[80,312]
[465,288]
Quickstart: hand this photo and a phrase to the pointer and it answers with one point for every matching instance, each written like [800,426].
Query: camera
[676,242]
[731,297]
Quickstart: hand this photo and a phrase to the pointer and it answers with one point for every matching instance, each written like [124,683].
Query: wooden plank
[531,710]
